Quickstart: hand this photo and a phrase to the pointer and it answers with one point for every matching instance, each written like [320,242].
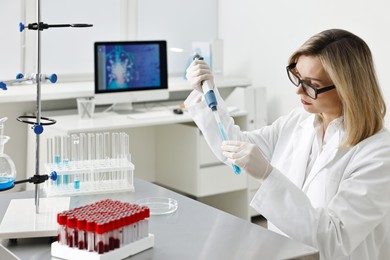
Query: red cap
[61,219]
[81,224]
[100,227]
[90,226]
[71,222]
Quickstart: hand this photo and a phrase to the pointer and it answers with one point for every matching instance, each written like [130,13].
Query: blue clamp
[38,129]
[53,175]
[21,27]
[19,76]
[3,86]
[52,78]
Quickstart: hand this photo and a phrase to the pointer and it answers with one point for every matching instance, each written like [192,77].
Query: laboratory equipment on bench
[7,166]
[89,163]
[212,103]
[34,222]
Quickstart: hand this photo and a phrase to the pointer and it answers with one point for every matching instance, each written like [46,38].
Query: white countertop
[28,92]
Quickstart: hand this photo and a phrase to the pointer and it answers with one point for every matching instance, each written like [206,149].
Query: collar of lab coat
[303,140]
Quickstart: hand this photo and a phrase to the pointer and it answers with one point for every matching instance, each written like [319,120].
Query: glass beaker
[7,167]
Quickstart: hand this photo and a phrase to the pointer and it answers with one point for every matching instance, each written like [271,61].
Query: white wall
[259,36]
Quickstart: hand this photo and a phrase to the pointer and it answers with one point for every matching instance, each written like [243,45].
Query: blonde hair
[347,60]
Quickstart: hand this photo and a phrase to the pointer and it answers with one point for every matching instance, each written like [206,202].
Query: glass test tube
[49,151]
[57,149]
[83,155]
[91,152]
[99,146]
[66,156]
[75,142]
[99,176]
[115,146]
[115,152]
[124,153]
[91,146]
[106,145]
[57,155]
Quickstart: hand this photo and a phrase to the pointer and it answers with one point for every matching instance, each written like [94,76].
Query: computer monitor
[130,71]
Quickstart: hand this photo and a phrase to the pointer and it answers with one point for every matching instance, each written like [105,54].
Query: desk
[194,231]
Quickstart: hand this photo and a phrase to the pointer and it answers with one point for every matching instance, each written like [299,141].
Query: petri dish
[159,205]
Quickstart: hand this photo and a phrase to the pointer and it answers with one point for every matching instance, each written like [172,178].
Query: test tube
[99,146]
[83,146]
[49,151]
[57,149]
[106,145]
[75,142]
[115,146]
[66,156]
[57,155]
[91,146]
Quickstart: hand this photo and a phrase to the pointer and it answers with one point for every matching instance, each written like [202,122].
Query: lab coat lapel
[327,155]
[303,140]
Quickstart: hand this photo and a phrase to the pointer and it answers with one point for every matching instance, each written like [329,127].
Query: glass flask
[7,166]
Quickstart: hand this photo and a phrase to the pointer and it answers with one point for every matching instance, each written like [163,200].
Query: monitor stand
[121,108]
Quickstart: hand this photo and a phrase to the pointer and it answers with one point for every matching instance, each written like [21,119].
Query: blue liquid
[65,176]
[6,182]
[76,184]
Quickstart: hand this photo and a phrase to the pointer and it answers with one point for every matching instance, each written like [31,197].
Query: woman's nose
[300,90]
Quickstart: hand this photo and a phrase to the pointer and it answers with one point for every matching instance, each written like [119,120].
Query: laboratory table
[194,231]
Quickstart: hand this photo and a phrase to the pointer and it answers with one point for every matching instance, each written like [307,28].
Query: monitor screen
[131,71]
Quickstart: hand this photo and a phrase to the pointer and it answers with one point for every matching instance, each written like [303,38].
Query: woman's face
[310,70]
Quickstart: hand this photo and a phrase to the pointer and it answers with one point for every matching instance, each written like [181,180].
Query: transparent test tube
[65,156]
[75,142]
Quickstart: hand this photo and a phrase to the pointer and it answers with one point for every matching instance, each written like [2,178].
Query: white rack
[65,252]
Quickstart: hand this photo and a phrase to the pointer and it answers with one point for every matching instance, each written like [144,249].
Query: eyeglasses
[309,90]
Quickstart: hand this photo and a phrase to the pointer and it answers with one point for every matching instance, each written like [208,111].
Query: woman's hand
[198,72]
[249,157]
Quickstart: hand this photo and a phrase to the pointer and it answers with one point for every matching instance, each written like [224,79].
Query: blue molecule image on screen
[132,66]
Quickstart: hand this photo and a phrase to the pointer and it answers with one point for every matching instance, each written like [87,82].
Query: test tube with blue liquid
[75,142]
[57,155]
[65,157]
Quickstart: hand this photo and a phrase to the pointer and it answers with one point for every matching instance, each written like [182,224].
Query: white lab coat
[342,208]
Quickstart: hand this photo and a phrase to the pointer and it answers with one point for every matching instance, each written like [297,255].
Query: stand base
[65,252]
[22,221]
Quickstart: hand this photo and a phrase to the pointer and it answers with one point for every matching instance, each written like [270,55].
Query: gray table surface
[194,231]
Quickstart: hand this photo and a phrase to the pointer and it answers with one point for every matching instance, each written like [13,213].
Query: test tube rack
[89,177]
[88,163]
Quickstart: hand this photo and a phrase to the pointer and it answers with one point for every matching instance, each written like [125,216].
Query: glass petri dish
[159,205]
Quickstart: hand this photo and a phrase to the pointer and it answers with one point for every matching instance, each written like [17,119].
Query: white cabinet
[186,164]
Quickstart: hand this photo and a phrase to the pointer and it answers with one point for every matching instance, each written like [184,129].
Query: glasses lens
[309,90]
[293,78]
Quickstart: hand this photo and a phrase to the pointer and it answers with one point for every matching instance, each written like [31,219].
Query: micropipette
[212,103]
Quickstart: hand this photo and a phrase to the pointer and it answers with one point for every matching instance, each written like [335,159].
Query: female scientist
[324,169]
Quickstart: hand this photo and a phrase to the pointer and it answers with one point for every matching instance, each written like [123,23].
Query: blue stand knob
[38,129]
[3,86]
[19,76]
[52,78]
[53,175]
[21,27]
